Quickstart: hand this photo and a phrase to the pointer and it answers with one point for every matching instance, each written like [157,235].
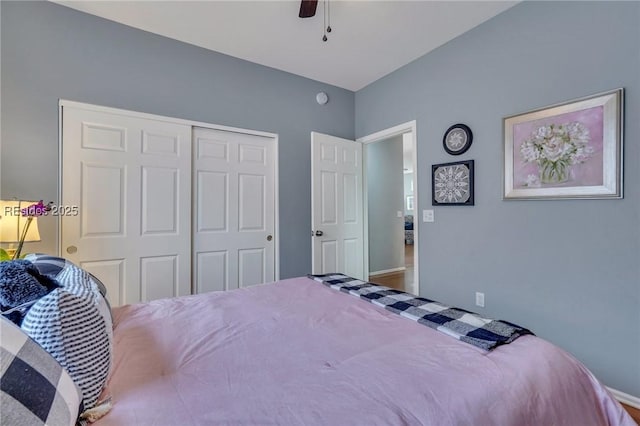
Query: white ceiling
[369,39]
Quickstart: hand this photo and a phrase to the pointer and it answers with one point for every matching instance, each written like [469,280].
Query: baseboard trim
[630,400]
[387,271]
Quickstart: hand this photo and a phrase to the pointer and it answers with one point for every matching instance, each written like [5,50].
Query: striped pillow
[71,324]
[82,283]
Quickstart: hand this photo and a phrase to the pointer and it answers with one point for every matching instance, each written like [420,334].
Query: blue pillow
[53,266]
[47,264]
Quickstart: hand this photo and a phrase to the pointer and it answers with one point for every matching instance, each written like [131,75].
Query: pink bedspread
[298,353]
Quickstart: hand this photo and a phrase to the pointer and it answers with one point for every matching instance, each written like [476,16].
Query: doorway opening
[390,193]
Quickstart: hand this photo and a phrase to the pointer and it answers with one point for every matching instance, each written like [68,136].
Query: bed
[298,352]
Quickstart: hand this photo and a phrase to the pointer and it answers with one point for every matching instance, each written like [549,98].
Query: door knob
[72,249]
[319,233]
[269,237]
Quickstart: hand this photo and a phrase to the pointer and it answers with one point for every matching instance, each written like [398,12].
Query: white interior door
[336,206]
[234,210]
[131,179]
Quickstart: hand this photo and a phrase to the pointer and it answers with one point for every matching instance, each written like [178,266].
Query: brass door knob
[72,249]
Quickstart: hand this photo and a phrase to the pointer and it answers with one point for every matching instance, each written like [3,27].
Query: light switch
[399,213]
[428,216]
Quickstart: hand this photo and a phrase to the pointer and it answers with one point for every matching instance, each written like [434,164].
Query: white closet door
[131,179]
[234,210]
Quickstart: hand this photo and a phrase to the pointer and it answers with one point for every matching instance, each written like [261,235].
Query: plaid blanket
[463,325]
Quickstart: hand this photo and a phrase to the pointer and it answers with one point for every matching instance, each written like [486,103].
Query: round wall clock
[457,139]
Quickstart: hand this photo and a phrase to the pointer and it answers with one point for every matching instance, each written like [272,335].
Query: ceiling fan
[308,8]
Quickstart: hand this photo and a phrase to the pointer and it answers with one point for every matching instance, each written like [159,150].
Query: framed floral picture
[452,184]
[569,150]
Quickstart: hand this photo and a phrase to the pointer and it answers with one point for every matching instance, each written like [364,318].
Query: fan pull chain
[324,20]
[328,16]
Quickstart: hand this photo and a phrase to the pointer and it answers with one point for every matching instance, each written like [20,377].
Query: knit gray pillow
[21,283]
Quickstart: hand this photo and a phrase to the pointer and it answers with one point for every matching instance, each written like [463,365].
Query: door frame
[99,108]
[409,126]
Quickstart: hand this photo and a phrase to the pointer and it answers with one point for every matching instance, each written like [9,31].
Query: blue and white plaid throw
[463,325]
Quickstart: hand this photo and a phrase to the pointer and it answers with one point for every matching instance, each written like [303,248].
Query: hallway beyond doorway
[401,280]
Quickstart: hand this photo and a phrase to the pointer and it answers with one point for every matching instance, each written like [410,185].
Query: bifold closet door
[234,210]
[131,179]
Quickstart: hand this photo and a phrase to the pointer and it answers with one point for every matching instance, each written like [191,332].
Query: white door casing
[408,127]
[233,214]
[336,206]
[131,179]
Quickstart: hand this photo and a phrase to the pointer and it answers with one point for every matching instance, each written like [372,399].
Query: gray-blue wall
[385,195]
[51,52]
[569,270]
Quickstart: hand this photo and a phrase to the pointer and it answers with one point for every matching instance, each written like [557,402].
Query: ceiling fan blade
[308,8]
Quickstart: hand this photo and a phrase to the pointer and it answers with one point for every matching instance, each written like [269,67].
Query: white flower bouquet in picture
[555,148]
[572,150]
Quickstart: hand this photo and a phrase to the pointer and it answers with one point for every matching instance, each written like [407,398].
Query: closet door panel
[233,241]
[212,271]
[130,176]
[212,201]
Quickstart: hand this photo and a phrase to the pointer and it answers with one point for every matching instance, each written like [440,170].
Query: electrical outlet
[480,299]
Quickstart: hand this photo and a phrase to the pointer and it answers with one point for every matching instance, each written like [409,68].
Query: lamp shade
[12,222]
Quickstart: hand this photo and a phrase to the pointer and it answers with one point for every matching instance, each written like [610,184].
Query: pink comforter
[298,353]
